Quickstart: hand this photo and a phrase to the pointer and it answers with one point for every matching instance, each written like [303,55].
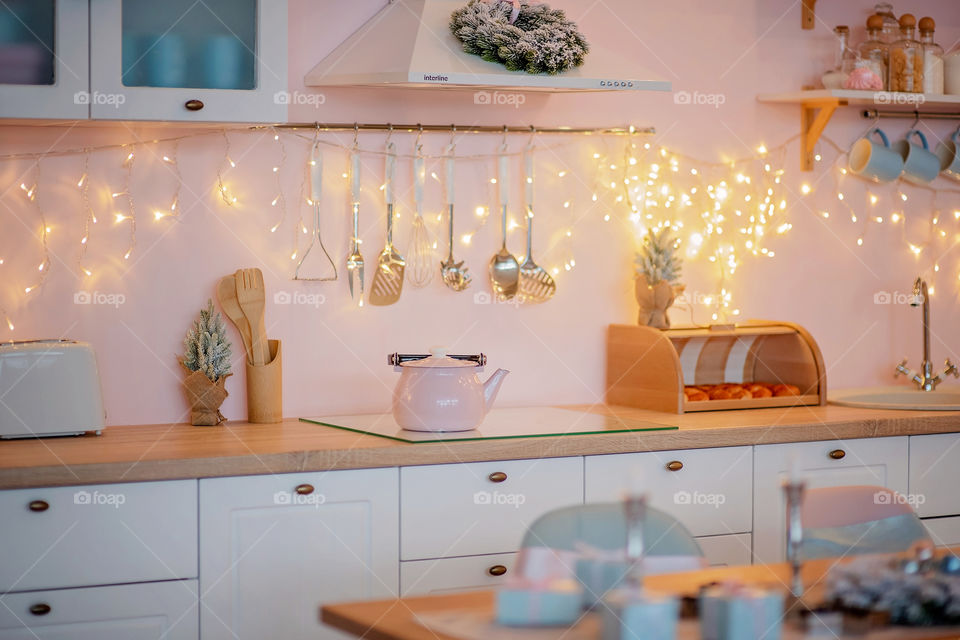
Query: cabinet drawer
[935,473]
[103,534]
[944,531]
[423,577]
[157,611]
[727,551]
[709,491]
[832,463]
[480,508]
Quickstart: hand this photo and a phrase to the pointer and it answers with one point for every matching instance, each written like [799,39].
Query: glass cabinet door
[216,60]
[43,59]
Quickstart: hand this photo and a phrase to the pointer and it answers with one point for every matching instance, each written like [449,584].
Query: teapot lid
[439,359]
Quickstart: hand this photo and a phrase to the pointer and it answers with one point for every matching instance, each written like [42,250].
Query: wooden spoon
[227,297]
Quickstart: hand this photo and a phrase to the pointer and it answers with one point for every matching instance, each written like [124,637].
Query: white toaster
[49,388]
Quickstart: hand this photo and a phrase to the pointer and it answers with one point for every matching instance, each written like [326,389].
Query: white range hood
[409,44]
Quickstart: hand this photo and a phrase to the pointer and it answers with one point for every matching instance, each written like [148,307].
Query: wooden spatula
[227,297]
[251,294]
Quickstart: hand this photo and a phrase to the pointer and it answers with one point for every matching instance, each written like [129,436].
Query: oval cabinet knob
[674,465]
[40,609]
[304,489]
[838,454]
[497,570]
[38,505]
[497,476]
[193,105]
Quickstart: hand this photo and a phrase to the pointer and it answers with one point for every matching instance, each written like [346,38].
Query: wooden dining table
[428,617]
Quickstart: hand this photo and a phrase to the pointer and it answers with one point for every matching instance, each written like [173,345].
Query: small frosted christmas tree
[658,258]
[206,348]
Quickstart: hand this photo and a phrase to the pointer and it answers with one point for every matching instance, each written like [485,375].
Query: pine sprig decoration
[206,348]
[541,40]
[659,257]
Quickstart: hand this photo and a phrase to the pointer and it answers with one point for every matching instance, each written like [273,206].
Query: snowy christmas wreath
[520,36]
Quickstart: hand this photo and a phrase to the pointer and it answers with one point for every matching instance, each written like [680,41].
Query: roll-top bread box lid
[749,365]
[49,388]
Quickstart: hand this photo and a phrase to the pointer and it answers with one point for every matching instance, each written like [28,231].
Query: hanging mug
[874,160]
[948,152]
[920,165]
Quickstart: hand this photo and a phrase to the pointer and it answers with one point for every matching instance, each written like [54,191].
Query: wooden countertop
[173,451]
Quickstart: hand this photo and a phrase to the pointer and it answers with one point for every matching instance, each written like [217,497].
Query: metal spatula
[536,285]
[388,278]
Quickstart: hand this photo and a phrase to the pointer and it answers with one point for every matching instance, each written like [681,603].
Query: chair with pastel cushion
[840,521]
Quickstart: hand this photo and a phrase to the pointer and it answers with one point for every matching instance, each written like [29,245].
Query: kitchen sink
[947,399]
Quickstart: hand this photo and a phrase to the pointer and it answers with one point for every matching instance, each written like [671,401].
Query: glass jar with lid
[873,53]
[906,59]
[932,58]
[843,62]
[890,31]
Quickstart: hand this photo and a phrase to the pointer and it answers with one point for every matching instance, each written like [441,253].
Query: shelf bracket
[813,120]
[808,17]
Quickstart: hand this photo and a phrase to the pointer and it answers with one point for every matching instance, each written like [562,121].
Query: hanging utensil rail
[386,126]
[873,114]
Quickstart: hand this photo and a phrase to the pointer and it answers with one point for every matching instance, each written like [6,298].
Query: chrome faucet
[925,379]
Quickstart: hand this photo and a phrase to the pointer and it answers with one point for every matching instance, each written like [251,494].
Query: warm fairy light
[83,179]
[873,199]
[28,290]
[825,214]
[805,189]
[936,267]
[566,205]
[293,256]
[893,218]
[915,249]
[480,211]
[167,159]
[10,324]
[493,181]
[274,228]
[879,219]
[956,215]
[466,238]
[157,215]
[126,256]
[761,149]
[903,197]
[87,271]
[560,174]
[840,196]
[119,217]
[818,157]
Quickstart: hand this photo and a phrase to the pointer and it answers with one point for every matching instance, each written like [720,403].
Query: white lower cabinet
[935,474]
[944,531]
[151,611]
[475,508]
[275,548]
[726,551]
[867,461]
[708,490]
[424,577]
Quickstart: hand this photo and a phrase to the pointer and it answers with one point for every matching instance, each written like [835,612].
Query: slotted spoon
[388,278]
[504,268]
[454,274]
[536,285]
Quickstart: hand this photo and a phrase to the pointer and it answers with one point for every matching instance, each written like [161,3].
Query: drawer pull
[38,505]
[497,476]
[838,454]
[193,105]
[304,489]
[40,609]
[674,465]
[497,570]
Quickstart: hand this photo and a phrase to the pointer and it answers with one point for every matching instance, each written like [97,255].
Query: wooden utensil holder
[265,388]
[648,368]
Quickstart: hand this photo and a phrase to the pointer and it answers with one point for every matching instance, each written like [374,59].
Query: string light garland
[171,159]
[131,216]
[228,198]
[87,212]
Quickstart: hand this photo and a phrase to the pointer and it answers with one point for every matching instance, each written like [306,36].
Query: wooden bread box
[649,368]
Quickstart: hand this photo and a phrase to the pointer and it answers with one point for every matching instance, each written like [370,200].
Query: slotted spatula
[388,278]
[536,285]
[251,294]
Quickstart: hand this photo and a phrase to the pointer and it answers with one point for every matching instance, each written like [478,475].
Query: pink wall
[335,353]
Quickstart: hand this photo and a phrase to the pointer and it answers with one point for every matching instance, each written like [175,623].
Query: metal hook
[356,134]
[453,134]
[533,135]
[419,143]
[916,119]
[389,133]
[505,131]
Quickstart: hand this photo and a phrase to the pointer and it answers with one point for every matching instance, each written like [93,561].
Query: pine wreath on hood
[520,36]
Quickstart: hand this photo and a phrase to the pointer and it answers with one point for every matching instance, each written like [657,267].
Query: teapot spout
[492,386]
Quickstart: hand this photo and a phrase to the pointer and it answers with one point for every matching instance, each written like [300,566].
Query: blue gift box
[552,603]
[740,614]
[598,577]
[629,614]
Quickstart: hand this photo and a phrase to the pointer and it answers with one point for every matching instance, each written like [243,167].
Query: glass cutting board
[528,422]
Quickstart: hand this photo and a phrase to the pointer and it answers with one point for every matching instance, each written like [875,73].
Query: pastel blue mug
[875,161]
[920,165]
[948,152]
[166,61]
[224,58]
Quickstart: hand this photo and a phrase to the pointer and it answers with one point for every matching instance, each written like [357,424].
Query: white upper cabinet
[43,59]
[218,60]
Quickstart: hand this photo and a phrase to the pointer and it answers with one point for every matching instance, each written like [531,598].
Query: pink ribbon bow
[516,8]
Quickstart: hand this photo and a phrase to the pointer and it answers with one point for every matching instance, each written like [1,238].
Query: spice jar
[932,58]
[873,53]
[906,59]
[844,59]
[890,29]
